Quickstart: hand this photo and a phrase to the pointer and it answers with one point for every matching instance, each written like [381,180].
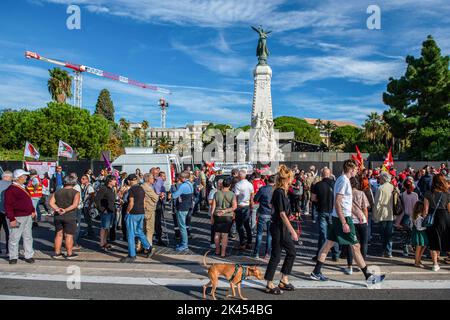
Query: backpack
[397,202]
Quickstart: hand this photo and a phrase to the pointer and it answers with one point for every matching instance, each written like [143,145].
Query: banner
[64,150]
[31,151]
[42,167]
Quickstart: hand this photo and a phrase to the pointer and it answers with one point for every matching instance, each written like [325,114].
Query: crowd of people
[243,207]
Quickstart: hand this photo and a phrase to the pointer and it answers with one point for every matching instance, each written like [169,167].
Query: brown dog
[232,273]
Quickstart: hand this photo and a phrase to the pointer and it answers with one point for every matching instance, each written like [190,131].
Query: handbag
[429,220]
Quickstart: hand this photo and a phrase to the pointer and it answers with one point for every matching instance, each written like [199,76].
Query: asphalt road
[59,290]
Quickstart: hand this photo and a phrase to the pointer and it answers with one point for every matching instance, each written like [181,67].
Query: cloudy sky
[326,62]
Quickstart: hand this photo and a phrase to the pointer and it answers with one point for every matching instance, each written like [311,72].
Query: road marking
[301,284]
[10,297]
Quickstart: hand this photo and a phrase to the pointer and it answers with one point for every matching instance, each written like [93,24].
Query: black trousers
[243,215]
[281,239]
[124,223]
[159,215]
[4,224]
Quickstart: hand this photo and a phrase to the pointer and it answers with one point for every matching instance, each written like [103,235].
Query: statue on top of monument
[261,50]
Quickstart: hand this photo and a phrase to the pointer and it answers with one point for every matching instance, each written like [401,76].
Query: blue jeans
[36,207]
[324,223]
[263,223]
[387,229]
[135,226]
[181,218]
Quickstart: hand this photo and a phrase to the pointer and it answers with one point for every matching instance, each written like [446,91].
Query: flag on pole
[110,168]
[389,161]
[64,150]
[31,151]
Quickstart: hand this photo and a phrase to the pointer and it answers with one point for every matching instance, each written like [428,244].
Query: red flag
[31,151]
[359,155]
[389,161]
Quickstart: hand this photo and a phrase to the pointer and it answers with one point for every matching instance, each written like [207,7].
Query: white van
[137,159]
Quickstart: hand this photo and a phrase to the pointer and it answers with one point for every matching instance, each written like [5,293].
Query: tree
[59,85]
[303,131]
[419,104]
[124,124]
[105,106]
[44,127]
[318,124]
[163,145]
[346,137]
[137,137]
[144,126]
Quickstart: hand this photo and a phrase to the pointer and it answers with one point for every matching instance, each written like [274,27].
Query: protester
[419,237]
[34,188]
[57,180]
[135,220]
[244,194]
[360,216]
[437,205]
[184,198]
[342,229]
[223,206]
[295,195]
[158,186]
[384,212]
[264,214]
[4,185]
[257,183]
[79,212]
[150,201]
[123,201]
[210,200]
[408,199]
[87,200]
[322,194]
[173,188]
[20,212]
[45,193]
[65,204]
[424,184]
[283,234]
[105,203]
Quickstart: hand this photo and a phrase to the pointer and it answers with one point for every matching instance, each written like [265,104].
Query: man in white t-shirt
[342,229]
[244,193]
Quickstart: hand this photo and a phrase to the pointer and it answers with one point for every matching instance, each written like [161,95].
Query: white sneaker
[436,267]
[374,279]
[212,246]
[348,271]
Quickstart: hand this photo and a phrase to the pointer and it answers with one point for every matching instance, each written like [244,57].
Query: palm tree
[137,136]
[124,124]
[329,127]
[59,85]
[319,124]
[144,126]
[163,145]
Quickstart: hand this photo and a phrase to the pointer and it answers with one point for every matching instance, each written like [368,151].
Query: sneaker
[348,271]
[387,255]
[30,260]
[76,248]
[212,245]
[374,279]
[148,252]
[256,256]
[181,249]
[128,259]
[72,256]
[58,256]
[436,267]
[318,277]
[13,261]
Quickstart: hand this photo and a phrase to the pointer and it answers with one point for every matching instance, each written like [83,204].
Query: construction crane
[78,80]
[163,104]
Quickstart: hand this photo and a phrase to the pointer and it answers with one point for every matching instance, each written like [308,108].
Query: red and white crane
[78,79]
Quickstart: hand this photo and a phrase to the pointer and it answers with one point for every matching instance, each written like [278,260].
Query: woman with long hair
[283,234]
[437,204]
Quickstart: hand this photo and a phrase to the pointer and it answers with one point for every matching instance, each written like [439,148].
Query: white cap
[19,172]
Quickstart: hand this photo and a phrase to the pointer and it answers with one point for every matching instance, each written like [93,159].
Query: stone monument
[263,146]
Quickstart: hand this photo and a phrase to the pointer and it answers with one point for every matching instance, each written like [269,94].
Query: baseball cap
[19,172]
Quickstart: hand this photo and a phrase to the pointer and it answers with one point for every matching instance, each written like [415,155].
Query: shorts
[106,220]
[336,233]
[223,224]
[68,224]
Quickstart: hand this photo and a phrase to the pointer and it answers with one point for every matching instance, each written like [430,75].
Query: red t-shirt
[257,184]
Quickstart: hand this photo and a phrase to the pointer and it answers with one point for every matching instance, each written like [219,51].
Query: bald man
[322,196]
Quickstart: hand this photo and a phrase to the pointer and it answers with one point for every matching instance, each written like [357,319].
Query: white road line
[10,297]
[301,284]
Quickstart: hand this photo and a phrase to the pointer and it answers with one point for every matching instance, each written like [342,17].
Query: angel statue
[261,51]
